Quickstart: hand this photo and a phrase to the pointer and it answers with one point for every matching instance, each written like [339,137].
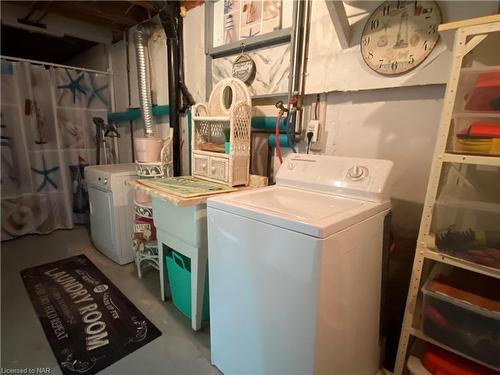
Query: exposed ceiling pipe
[304,57]
[169,16]
[141,36]
[296,61]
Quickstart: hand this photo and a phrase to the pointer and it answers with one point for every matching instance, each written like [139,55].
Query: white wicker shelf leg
[145,254]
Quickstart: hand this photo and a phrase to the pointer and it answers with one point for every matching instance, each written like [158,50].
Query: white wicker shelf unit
[146,252]
[229,107]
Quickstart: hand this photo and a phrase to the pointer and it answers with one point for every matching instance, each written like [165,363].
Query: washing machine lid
[312,213]
[124,169]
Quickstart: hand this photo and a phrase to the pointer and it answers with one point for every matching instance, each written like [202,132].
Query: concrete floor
[179,350]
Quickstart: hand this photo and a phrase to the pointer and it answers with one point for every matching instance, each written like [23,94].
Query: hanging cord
[282,110]
[309,138]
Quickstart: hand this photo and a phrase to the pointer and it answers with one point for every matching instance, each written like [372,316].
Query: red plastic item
[485,92]
[481,129]
[441,362]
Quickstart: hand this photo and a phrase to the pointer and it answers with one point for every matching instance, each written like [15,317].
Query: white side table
[181,224]
[184,229]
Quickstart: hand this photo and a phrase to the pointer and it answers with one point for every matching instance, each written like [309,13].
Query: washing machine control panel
[98,178]
[358,178]
[357,172]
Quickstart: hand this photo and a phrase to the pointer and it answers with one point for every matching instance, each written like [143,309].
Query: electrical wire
[309,138]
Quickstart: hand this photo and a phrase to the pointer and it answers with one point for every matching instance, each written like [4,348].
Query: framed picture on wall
[236,20]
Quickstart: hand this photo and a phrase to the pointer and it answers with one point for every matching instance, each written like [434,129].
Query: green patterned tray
[186,186]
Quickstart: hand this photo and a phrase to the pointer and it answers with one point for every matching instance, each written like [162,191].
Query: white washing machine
[111,209]
[295,269]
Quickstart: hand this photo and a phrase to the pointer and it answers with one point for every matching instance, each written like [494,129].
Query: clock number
[370,55]
[411,59]
[366,41]
[374,24]
[386,10]
[425,45]
[432,29]
[381,63]
[394,66]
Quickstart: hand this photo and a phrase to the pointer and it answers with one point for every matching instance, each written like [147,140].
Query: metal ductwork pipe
[141,36]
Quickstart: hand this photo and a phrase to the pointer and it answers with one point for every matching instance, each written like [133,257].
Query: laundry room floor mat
[89,323]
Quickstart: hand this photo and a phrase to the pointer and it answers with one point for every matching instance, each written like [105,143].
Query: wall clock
[399,35]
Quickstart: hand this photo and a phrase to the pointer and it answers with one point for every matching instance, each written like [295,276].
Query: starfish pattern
[95,93]
[74,85]
[46,179]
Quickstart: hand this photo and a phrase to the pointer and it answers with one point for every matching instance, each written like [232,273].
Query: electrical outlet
[313,127]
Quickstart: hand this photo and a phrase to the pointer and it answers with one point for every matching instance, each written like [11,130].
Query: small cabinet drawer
[218,169]
[200,165]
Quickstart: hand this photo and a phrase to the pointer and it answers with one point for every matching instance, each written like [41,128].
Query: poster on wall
[246,19]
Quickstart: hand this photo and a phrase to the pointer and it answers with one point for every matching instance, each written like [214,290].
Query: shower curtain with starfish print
[47,138]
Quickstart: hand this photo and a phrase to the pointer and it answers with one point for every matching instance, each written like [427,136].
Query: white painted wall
[194,52]
[331,68]
[118,53]
[398,124]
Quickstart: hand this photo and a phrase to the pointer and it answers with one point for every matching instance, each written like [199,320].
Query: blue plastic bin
[179,277]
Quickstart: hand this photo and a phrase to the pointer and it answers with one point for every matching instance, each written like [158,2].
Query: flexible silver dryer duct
[141,36]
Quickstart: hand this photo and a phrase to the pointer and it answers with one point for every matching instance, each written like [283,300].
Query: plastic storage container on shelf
[438,361]
[462,311]
[416,367]
[466,217]
[476,133]
[179,278]
[476,119]
[478,89]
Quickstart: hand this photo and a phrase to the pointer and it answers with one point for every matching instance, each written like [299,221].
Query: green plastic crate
[179,277]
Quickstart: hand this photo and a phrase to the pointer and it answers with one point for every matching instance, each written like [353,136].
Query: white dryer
[111,209]
[295,269]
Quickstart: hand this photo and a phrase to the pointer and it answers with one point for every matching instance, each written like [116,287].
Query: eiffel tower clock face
[399,35]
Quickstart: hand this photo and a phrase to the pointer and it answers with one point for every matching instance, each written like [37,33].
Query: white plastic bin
[461,325]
